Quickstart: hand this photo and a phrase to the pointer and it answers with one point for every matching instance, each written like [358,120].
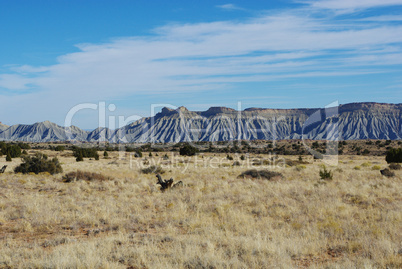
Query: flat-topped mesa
[368,106]
[218,110]
[280,111]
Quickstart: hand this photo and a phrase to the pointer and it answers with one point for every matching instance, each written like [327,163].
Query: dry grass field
[216,220]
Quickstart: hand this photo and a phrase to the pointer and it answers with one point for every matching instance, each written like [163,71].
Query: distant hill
[353,121]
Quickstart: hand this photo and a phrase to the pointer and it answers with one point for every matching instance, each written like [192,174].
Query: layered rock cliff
[349,121]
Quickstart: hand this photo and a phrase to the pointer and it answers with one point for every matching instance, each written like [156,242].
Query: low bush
[188,150]
[325,174]
[81,153]
[386,172]
[395,166]
[153,169]
[260,174]
[38,164]
[83,175]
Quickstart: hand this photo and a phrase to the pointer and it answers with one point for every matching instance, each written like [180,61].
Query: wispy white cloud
[348,6]
[14,82]
[230,7]
[210,56]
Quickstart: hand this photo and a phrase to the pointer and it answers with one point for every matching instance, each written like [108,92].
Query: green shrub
[105,154]
[81,153]
[394,156]
[59,148]
[38,164]
[8,157]
[10,149]
[188,150]
[230,158]
[325,174]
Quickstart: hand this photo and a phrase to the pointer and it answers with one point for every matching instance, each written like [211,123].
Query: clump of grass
[366,164]
[376,167]
[153,169]
[265,174]
[83,175]
[236,163]
[357,167]
[300,167]
[325,174]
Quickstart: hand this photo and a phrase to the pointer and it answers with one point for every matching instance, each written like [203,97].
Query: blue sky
[57,54]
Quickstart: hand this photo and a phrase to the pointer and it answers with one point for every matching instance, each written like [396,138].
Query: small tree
[38,164]
[105,154]
[79,158]
[188,150]
[8,157]
[394,156]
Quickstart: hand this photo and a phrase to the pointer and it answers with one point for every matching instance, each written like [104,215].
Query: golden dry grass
[216,220]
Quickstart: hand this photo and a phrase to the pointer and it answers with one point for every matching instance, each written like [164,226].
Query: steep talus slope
[3,127]
[100,134]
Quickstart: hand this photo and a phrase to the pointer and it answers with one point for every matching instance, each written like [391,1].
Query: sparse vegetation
[126,222]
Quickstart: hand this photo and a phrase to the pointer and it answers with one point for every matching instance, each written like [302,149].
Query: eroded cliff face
[350,121]
[42,132]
